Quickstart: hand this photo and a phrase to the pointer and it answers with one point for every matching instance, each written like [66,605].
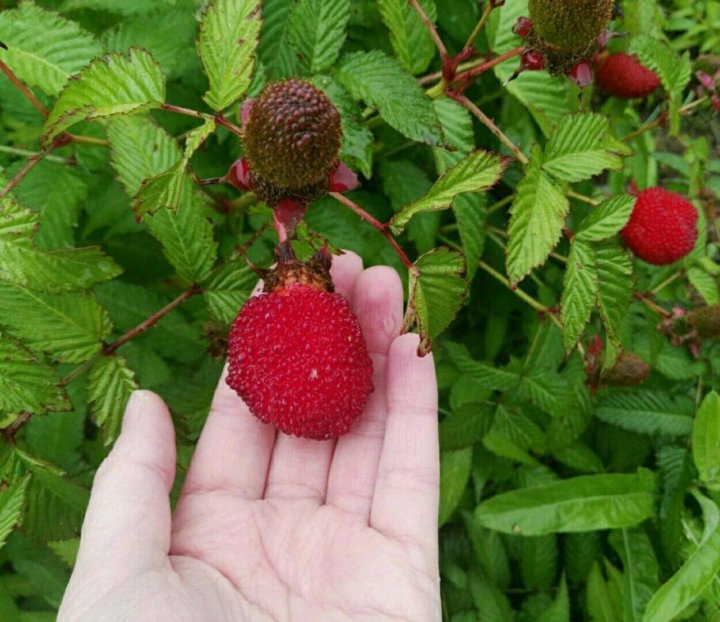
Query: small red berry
[523,27]
[662,228]
[532,60]
[624,76]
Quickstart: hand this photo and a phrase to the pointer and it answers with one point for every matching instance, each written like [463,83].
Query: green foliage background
[558,502]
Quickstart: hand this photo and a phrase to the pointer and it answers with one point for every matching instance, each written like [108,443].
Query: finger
[405,503]
[300,466]
[379,307]
[127,525]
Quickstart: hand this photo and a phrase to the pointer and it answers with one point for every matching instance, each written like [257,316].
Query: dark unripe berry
[572,25]
[629,371]
[706,321]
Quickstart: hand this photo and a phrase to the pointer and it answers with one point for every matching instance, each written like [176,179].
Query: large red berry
[299,361]
[662,227]
[624,76]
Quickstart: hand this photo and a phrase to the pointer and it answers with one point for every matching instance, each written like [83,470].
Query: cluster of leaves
[558,502]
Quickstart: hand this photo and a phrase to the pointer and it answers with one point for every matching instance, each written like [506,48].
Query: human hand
[269,526]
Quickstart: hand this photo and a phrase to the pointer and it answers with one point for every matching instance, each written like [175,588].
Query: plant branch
[27,152]
[219,119]
[479,26]
[33,160]
[89,140]
[581,197]
[431,29]
[375,223]
[23,89]
[685,110]
[476,71]
[10,431]
[651,305]
[671,279]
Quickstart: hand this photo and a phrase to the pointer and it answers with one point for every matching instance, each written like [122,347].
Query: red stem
[476,71]
[23,89]
[219,119]
[431,29]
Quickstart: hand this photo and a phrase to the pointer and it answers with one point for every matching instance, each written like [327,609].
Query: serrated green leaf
[485,374]
[454,474]
[437,291]
[469,210]
[537,217]
[559,611]
[317,32]
[478,171]
[110,384]
[226,290]
[606,219]
[706,284]
[70,327]
[706,438]
[599,602]
[584,503]
[457,127]
[615,286]
[228,37]
[576,149]
[26,383]
[409,37]
[640,568]
[44,48]
[274,50]
[580,290]
[113,85]
[12,502]
[647,412]
[379,81]
[128,7]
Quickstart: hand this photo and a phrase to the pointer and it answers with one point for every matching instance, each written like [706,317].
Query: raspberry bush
[156,156]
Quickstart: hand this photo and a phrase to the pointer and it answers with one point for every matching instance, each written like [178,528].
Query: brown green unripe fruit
[570,25]
[706,321]
[629,371]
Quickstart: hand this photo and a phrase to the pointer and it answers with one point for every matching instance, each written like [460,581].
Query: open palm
[268,526]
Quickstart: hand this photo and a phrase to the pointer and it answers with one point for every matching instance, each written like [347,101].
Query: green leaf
[317,32]
[599,602]
[580,289]
[706,438]
[379,81]
[469,210]
[228,37]
[613,265]
[44,48]
[559,611]
[26,383]
[409,37]
[640,568]
[686,584]
[647,412]
[226,290]
[584,503]
[607,219]
[576,149]
[478,171]
[110,384]
[537,217]
[437,291]
[274,51]
[128,7]
[454,476]
[113,85]
[457,127]
[70,327]
[487,375]
[12,503]
[705,283]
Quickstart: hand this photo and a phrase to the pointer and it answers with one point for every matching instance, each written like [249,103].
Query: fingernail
[135,408]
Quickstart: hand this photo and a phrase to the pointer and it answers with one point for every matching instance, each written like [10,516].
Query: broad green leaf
[12,502]
[317,32]
[489,599]
[677,474]
[537,217]
[110,385]
[26,383]
[647,412]
[113,85]
[379,81]
[615,286]
[606,219]
[409,37]
[44,48]
[580,290]
[437,291]
[226,290]
[539,561]
[469,210]
[457,127]
[487,375]
[599,603]
[478,171]
[454,474]
[640,570]
[559,611]
[576,149]
[686,584]
[228,37]
[706,438]
[584,503]
[513,436]
[277,56]
[70,327]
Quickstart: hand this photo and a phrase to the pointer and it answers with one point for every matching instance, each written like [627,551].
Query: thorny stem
[375,223]
[23,89]
[651,305]
[685,110]
[479,26]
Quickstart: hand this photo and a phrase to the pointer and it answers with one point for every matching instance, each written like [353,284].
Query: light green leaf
[485,374]
[576,149]
[70,327]
[580,289]
[615,287]
[606,219]
[559,611]
[454,475]
[110,384]
[228,37]
[44,48]
[113,85]
[640,570]
[537,218]
[705,283]
[437,291]
[12,502]
[274,51]
[379,81]
[317,32]
[226,290]
[409,37]
[584,503]
[469,210]
[599,602]
[478,171]
[706,438]
[457,127]
[647,412]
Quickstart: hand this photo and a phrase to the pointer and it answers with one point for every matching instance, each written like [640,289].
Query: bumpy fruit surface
[292,136]
[570,24]
[662,227]
[298,358]
[706,321]
[624,76]
[629,371]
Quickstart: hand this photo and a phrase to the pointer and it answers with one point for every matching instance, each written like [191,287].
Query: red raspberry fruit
[298,357]
[662,227]
[624,76]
